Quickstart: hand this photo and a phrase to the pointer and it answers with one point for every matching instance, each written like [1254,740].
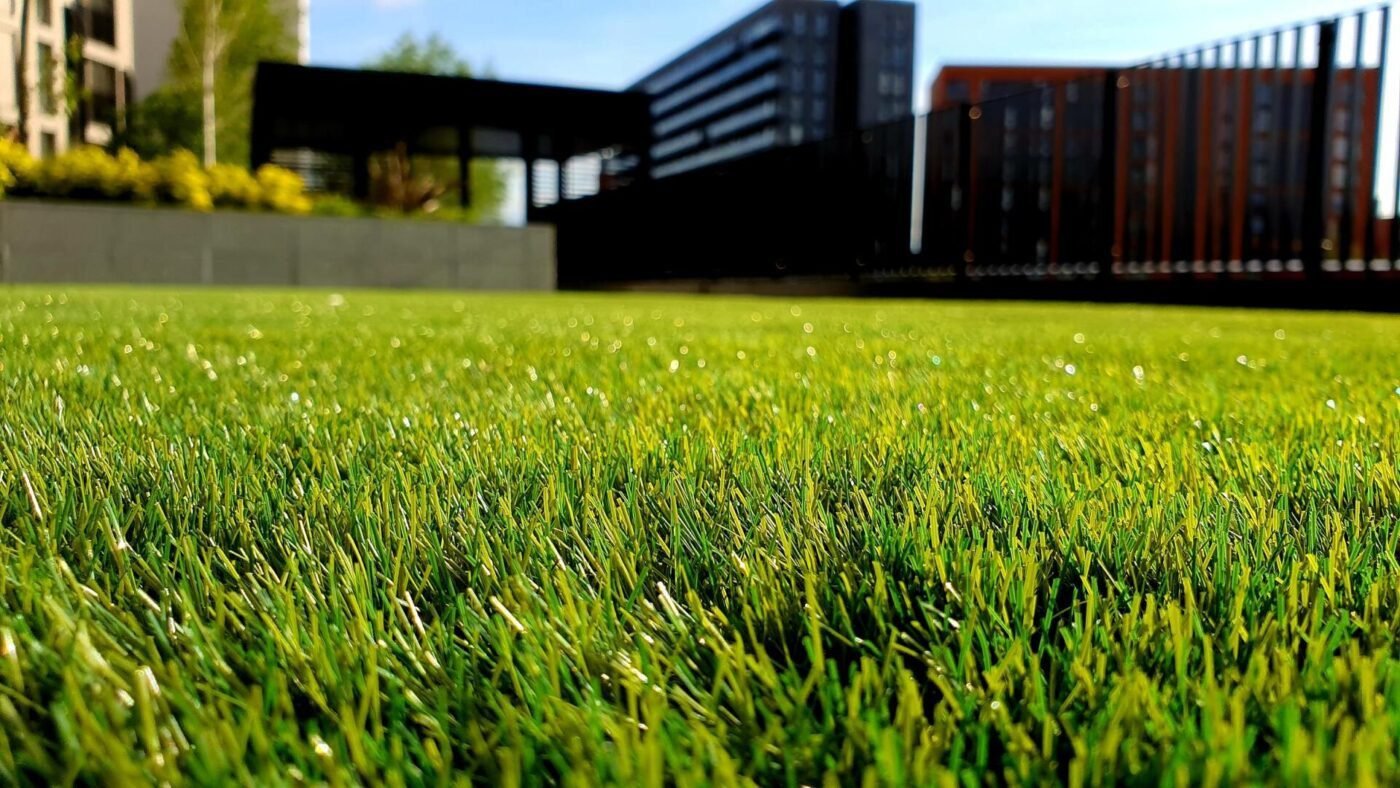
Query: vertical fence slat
[1108,175]
[1277,118]
[1315,184]
[1356,85]
[1369,245]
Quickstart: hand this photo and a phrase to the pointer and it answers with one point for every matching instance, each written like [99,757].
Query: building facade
[78,64]
[876,80]
[158,23]
[790,72]
[1210,163]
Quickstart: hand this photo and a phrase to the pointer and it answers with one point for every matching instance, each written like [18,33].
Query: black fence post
[1369,247]
[1108,175]
[964,207]
[1315,181]
[464,166]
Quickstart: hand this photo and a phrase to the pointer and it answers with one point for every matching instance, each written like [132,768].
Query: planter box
[42,241]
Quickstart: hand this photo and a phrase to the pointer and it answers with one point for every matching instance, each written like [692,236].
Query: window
[799,23]
[48,144]
[45,12]
[102,21]
[48,74]
[958,90]
[821,26]
[102,86]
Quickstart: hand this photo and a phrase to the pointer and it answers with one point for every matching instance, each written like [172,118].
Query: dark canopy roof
[348,111]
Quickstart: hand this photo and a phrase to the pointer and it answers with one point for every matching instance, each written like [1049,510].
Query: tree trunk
[22,75]
[210,56]
[210,116]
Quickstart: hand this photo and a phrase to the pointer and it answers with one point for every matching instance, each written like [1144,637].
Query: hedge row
[177,179]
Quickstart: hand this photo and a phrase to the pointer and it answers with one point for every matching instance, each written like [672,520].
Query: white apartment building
[158,22]
[104,75]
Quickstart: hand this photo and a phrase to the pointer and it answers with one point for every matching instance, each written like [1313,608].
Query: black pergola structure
[303,113]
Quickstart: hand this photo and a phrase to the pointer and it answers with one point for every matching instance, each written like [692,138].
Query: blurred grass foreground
[426,538]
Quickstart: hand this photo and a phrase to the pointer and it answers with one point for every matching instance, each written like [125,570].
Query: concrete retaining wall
[44,241]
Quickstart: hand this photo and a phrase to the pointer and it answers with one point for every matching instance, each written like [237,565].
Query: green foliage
[246,31]
[265,538]
[433,55]
[165,121]
[411,183]
[337,205]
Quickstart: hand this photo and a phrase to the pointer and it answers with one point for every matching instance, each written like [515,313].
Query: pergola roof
[349,111]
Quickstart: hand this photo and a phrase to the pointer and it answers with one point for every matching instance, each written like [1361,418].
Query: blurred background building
[79,60]
[1187,148]
[790,72]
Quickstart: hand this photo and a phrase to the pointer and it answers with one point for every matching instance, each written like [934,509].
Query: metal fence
[1259,157]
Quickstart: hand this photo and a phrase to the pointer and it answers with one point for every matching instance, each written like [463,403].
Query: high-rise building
[101,30]
[876,83]
[1211,164]
[790,72]
[157,24]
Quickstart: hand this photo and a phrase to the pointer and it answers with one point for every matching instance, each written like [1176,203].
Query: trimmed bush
[233,187]
[91,174]
[88,173]
[183,181]
[283,190]
[17,167]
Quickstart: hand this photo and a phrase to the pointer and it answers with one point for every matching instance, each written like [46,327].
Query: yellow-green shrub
[234,187]
[20,166]
[90,173]
[136,179]
[283,191]
[183,181]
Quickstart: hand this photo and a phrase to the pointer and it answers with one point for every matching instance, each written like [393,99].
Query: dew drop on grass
[1332,404]
[1071,369]
[1139,374]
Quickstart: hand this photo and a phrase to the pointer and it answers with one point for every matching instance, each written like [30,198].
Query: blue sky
[610,43]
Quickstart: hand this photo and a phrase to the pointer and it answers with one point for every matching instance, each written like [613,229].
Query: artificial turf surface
[275,537]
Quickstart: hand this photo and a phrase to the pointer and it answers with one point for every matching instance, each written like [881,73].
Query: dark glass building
[877,64]
[790,72]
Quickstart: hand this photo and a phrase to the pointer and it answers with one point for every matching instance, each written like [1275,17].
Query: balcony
[94,20]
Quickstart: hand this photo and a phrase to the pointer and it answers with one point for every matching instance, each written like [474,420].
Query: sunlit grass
[272,537]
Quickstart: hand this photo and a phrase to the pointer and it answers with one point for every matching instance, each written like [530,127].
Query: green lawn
[283,537]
